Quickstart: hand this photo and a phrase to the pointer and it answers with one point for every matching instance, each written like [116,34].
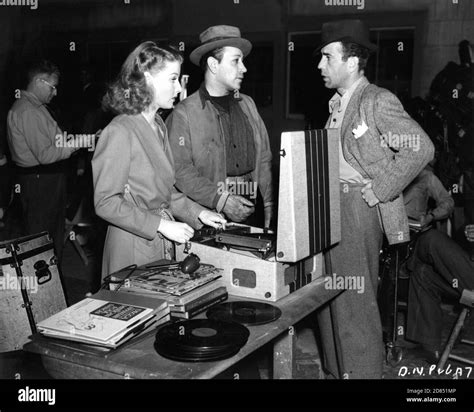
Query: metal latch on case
[42,272]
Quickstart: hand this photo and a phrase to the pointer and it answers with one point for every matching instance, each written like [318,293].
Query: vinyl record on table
[244,312]
[183,352]
[195,357]
[200,340]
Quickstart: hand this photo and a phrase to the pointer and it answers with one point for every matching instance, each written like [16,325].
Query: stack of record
[245,312]
[199,340]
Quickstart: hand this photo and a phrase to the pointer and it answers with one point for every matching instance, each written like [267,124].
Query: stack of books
[107,319]
[187,295]
[197,301]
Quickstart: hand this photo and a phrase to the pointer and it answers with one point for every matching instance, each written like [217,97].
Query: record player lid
[308,209]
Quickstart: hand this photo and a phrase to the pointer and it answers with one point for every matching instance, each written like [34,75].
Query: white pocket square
[360,130]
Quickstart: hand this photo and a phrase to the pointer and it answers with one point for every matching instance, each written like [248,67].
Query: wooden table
[139,360]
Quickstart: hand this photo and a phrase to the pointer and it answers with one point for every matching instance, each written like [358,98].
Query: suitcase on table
[30,288]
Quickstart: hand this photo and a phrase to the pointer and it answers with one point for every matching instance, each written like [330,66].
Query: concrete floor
[79,278]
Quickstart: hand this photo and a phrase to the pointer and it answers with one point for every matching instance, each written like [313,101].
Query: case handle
[42,272]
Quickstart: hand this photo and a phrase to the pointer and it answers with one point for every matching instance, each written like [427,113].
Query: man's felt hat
[353,31]
[219,36]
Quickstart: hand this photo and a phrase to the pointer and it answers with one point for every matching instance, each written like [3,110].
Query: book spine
[200,309]
[194,294]
[201,300]
[149,293]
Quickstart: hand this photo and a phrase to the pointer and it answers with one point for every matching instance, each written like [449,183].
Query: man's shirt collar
[204,95]
[339,102]
[32,98]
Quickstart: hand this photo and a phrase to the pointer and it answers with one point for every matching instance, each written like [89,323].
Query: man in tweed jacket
[381,151]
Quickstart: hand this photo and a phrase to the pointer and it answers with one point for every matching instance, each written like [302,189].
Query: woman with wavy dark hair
[133,165]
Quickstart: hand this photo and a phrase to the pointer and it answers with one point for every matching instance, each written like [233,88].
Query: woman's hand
[175,231]
[212,219]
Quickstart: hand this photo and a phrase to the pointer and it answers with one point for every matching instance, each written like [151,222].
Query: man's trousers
[43,201]
[350,325]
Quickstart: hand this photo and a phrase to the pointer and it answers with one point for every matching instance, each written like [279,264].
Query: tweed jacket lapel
[352,111]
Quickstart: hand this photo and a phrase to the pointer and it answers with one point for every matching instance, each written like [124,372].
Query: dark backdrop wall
[286,87]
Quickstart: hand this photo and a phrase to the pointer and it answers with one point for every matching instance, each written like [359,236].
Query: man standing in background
[37,155]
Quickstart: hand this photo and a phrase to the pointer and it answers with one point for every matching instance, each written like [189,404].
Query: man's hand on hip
[425,220]
[238,208]
[368,194]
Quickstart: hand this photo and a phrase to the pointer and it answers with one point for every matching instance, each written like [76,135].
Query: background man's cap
[354,31]
[219,36]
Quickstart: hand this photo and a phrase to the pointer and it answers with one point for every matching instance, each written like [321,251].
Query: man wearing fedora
[219,141]
[373,171]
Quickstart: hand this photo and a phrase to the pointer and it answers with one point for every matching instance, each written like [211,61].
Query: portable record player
[265,265]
